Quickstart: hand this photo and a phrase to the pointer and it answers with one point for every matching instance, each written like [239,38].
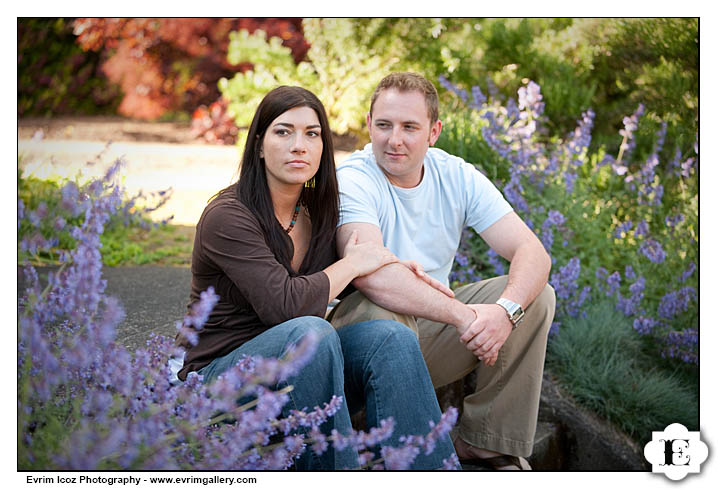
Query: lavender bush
[49,210]
[622,227]
[86,403]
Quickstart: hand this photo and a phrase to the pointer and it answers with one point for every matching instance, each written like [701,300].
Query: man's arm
[530,264]
[528,275]
[388,286]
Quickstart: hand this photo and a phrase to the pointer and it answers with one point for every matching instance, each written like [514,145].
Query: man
[417,200]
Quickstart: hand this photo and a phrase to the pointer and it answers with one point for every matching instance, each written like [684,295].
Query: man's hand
[487,334]
[418,269]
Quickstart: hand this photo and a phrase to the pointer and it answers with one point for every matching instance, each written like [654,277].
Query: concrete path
[154,299]
[194,171]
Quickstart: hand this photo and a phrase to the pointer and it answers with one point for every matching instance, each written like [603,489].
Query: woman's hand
[366,257]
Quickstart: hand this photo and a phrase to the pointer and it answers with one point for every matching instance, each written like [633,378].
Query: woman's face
[292,147]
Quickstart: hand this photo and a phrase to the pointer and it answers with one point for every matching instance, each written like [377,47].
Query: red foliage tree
[174,64]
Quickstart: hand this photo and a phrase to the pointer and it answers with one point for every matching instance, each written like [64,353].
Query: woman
[266,245]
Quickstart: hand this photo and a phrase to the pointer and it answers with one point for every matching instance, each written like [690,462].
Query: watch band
[513,310]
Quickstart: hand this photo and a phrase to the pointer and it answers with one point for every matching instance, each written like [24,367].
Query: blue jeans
[376,364]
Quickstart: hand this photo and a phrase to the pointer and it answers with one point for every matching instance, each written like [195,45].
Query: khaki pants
[501,414]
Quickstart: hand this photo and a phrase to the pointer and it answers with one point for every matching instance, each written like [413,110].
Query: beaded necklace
[294,217]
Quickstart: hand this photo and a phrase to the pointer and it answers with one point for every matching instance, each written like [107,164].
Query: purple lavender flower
[676,302]
[614,282]
[461,259]
[581,138]
[496,262]
[38,214]
[463,95]
[632,305]
[375,436]
[478,98]
[629,273]
[688,272]
[71,201]
[564,281]
[644,325]
[20,212]
[60,223]
[547,238]
[200,310]
[570,181]
[451,463]
[653,251]
[672,221]
[513,192]
[623,229]
[555,218]
[513,112]
[641,229]
[320,444]
[399,458]
[440,430]
[682,345]
[313,419]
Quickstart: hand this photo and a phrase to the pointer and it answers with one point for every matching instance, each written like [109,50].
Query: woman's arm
[359,260]
[232,240]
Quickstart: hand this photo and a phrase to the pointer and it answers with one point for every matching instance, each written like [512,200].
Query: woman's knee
[319,329]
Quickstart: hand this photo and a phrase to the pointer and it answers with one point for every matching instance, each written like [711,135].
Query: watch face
[514,310]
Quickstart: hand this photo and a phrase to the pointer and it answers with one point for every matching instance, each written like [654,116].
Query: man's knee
[357,308]
[542,309]
[390,333]
[546,300]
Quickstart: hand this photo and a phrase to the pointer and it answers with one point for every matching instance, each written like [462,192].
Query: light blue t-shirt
[423,223]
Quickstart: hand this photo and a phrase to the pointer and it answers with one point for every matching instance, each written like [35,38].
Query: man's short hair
[409,82]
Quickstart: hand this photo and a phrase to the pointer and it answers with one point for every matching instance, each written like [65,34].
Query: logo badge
[676,452]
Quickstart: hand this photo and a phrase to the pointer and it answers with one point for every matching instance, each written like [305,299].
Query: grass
[169,245]
[603,363]
[161,245]
[141,242]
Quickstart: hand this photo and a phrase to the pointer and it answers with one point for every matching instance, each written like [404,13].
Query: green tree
[339,71]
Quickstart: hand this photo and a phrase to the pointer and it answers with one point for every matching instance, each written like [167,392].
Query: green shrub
[612,64]
[623,227]
[622,234]
[340,72]
[601,361]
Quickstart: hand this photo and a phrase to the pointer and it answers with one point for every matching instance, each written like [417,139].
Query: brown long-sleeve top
[256,292]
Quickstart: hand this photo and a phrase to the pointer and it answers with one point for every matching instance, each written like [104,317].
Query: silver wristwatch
[513,310]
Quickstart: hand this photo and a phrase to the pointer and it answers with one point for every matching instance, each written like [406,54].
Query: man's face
[401,133]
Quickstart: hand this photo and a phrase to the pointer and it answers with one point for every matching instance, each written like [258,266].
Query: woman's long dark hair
[321,201]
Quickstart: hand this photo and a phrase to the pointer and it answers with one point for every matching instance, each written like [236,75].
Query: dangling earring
[310,183]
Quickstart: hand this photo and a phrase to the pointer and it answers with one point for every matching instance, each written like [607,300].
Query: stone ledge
[568,438]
